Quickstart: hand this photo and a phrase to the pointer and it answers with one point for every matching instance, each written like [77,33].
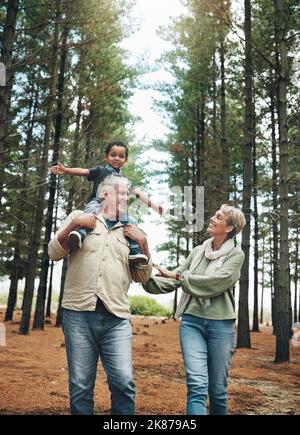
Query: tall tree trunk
[243,339]
[298,302]
[224,145]
[177,265]
[187,245]
[58,322]
[261,319]
[38,221]
[282,296]
[255,325]
[275,214]
[74,163]
[38,322]
[48,309]
[215,180]
[7,41]
[14,275]
[296,275]
[200,155]
[50,290]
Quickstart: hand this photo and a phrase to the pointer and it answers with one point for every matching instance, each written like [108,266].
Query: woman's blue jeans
[207,347]
[88,335]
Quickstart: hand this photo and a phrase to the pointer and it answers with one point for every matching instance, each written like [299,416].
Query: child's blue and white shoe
[135,259]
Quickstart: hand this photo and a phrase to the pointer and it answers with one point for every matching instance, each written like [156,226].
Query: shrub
[143,306]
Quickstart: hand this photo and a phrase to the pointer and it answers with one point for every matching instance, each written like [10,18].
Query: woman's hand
[165,273]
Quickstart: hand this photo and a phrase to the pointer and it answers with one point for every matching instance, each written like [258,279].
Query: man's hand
[85,220]
[133,233]
[164,272]
[59,169]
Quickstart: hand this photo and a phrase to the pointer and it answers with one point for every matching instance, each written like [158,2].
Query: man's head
[113,191]
[116,154]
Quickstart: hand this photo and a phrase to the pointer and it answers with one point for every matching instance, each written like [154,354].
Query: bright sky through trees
[146,43]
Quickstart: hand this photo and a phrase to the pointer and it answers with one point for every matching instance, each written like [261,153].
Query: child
[116,157]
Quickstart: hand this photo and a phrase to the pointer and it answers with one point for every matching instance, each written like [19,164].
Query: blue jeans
[88,335]
[207,347]
[94,206]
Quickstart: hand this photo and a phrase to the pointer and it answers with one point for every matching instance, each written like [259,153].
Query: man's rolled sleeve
[55,250]
[144,272]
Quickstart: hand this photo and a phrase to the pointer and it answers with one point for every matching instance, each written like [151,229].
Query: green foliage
[97,75]
[144,306]
[193,106]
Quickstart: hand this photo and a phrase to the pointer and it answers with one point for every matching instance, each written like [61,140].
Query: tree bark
[48,309]
[177,265]
[261,319]
[74,163]
[255,324]
[296,275]
[275,214]
[7,41]
[282,296]
[199,156]
[14,275]
[39,316]
[216,182]
[38,221]
[243,339]
[224,145]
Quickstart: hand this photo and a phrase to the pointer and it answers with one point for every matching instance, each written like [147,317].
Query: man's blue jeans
[207,347]
[89,335]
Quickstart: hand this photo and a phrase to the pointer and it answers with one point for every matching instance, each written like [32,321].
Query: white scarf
[216,258]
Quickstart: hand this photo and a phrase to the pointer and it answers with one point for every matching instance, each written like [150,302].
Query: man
[96,307]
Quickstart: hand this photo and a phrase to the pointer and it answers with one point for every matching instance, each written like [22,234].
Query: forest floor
[33,373]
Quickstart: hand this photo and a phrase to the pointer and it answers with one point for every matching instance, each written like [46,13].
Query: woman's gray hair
[109,183]
[234,217]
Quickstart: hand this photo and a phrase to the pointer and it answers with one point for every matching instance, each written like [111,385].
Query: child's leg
[93,206]
[135,254]
[76,238]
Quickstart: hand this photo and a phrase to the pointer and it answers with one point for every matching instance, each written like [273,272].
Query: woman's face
[218,225]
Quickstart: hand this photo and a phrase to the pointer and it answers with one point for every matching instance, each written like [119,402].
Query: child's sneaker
[74,240]
[135,259]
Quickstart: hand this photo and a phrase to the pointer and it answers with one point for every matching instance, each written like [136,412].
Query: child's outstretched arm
[60,169]
[146,200]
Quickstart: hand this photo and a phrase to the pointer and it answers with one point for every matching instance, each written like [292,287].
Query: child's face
[116,157]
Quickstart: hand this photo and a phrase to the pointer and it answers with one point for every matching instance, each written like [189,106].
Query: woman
[207,310]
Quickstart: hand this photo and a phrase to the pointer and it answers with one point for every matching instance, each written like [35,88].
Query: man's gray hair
[109,183]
